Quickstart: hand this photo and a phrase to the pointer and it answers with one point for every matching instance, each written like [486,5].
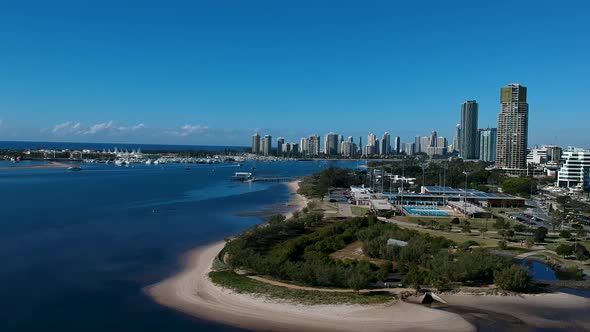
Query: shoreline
[192,292]
[41,166]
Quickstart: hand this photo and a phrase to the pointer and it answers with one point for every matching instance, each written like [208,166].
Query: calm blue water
[77,248]
[106,146]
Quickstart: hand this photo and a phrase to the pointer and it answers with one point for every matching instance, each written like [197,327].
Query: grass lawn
[354,251]
[462,237]
[359,211]
[243,284]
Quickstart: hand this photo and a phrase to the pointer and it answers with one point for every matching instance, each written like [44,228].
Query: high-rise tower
[468,138]
[513,128]
[256,143]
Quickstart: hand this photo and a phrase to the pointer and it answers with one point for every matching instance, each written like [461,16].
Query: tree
[416,277]
[466,228]
[565,234]
[540,234]
[512,278]
[521,186]
[455,221]
[562,200]
[384,270]
[529,242]
[581,252]
[501,224]
[564,250]
[483,231]
[502,245]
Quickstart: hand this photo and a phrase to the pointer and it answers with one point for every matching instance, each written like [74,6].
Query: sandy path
[193,293]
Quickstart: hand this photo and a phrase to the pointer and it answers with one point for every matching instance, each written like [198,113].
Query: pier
[274,178]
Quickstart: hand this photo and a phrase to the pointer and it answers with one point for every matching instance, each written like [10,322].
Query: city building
[424,144]
[303,145]
[457,139]
[313,144]
[331,144]
[408,149]
[280,145]
[267,145]
[553,153]
[536,156]
[397,145]
[511,148]
[432,142]
[256,143]
[417,145]
[385,147]
[347,149]
[469,114]
[487,144]
[575,169]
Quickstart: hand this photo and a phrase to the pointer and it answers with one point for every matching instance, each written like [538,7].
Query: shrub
[512,278]
[581,252]
[565,234]
[564,250]
[502,245]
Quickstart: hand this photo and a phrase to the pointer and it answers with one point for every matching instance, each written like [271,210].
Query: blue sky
[213,72]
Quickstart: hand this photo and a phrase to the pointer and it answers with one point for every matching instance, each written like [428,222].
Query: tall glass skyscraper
[468,139]
[513,128]
[487,144]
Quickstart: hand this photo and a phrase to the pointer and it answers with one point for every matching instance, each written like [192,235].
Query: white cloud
[65,128]
[107,128]
[189,129]
[100,127]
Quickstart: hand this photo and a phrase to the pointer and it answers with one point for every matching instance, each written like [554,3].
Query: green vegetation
[359,211]
[318,184]
[243,284]
[478,177]
[521,186]
[512,278]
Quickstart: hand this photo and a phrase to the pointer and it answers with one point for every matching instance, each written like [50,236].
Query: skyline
[214,74]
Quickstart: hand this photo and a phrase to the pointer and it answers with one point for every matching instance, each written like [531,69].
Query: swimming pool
[431,211]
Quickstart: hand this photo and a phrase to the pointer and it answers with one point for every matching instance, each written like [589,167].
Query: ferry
[74,168]
[242,176]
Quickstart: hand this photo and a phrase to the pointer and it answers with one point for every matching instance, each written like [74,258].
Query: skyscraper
[457,139]
[331,144]
[487,144]
[433,141]
[256,143]
[513,127]
[468,139]
[280,145]
[303,145]
[314,145]
[267,145]
[397,145]
[385,147]
[417,148]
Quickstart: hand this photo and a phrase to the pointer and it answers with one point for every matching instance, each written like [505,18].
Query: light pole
[465,195]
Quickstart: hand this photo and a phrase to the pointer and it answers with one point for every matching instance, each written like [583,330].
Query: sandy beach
[39,166]
[192,292]
[297,202]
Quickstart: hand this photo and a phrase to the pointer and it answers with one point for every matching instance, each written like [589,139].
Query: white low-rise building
[574,169]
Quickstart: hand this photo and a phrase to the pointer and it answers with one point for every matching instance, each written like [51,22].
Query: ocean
[77,248]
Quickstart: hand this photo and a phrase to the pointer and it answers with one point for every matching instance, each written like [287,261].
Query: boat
[241,176]
[187,168]
[74,168]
